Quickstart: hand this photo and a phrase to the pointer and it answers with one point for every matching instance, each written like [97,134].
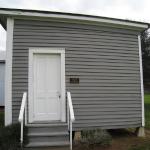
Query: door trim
[30,79]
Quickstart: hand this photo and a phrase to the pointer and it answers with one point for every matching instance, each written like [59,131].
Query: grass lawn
[147,110]
[145,145]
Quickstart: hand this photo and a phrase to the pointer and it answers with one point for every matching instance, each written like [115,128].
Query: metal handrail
[71,117]
[21,115]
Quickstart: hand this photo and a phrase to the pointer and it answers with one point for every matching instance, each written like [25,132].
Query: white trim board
[30,78]
[141,78]
[2,56]
[8,72]
[23,13]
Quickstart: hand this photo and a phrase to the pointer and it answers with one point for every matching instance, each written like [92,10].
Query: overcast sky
[138,10]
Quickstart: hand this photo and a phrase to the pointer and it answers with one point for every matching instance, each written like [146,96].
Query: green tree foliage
[145,44]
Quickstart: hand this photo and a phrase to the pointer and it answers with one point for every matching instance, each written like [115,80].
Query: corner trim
[141,78]
[8,72]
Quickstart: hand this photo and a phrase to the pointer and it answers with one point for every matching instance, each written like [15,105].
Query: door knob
[59,95]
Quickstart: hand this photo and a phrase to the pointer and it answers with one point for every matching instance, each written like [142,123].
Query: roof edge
[50,14]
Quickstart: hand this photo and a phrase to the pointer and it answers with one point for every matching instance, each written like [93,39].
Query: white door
[46,87]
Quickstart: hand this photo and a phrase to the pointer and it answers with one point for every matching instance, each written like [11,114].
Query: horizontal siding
[72,27]
[105,59]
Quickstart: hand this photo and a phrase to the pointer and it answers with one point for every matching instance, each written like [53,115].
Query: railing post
[71,117]
[25,109]
[21,116]
[70,135]
[68,116]
[21,136]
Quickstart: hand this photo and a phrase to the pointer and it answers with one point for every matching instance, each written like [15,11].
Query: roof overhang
[35,14]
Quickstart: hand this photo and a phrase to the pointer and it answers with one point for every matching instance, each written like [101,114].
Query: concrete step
[47,128]
[47,133]
[58,138]
[48,136]
[48,145]
[48,148]
[47,124]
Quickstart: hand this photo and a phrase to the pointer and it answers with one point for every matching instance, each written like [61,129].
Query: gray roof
[5,12]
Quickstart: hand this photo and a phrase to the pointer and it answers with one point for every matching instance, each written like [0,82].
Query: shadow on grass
[1,119]
[147,115]
[122,133]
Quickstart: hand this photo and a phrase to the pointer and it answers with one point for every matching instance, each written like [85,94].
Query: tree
[145,45]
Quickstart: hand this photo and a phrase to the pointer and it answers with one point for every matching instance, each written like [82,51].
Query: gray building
[96,59]
[2,77]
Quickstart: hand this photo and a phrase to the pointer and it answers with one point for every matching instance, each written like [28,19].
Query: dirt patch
[122,140]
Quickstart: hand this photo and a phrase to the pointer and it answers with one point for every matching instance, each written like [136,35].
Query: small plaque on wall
[74,80]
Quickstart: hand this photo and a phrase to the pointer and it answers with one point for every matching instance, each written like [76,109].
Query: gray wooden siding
[105,59]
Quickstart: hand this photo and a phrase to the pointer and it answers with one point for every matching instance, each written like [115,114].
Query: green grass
[147,110]
[145,146]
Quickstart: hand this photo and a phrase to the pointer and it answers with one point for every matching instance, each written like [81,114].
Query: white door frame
[30,79]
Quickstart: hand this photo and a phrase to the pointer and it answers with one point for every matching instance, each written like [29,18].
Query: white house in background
[2,77]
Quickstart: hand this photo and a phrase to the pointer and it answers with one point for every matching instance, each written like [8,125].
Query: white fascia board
[73,17]
[8,72]
[141,79]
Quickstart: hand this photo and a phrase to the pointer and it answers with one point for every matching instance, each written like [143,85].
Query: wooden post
[77,136]
[140,132]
